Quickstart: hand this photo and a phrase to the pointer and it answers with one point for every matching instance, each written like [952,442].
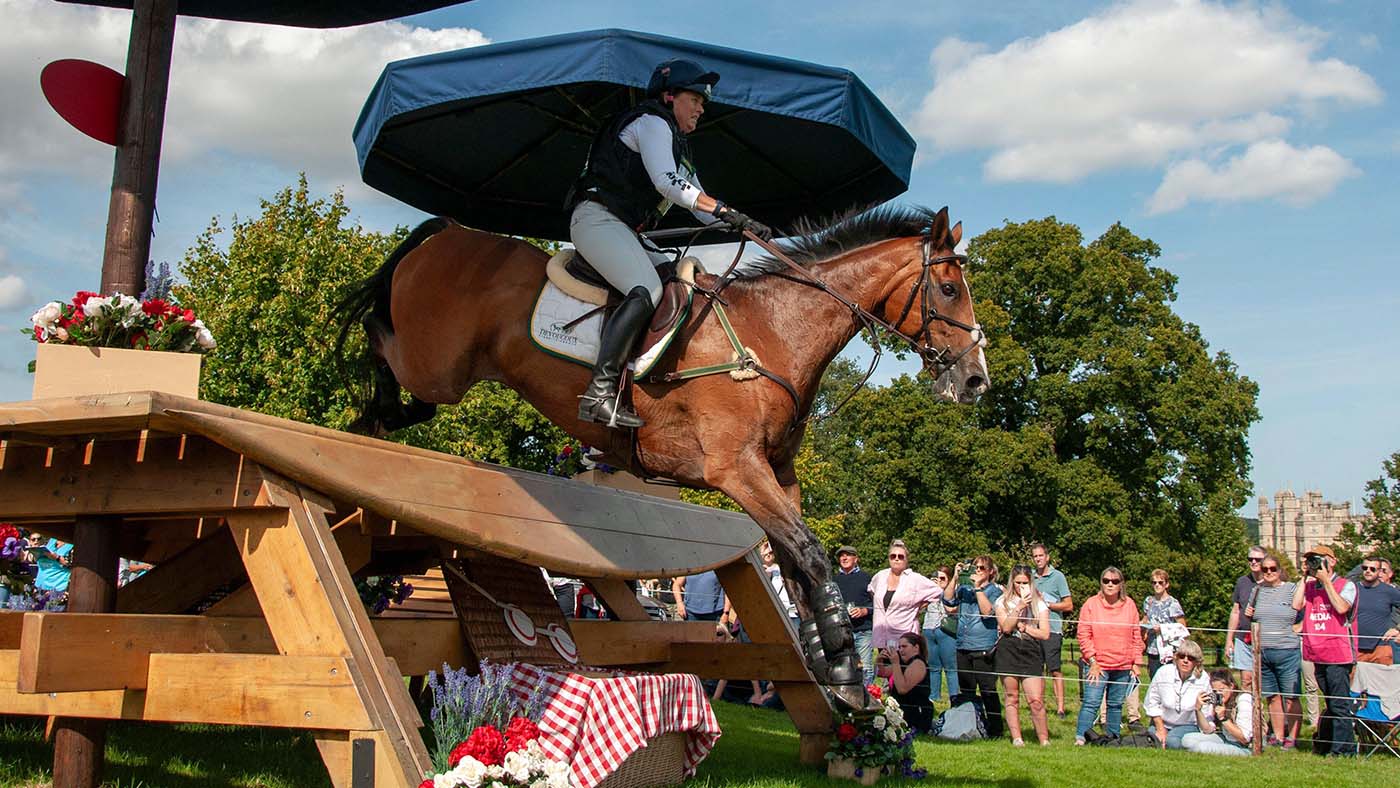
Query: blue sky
[1256,143]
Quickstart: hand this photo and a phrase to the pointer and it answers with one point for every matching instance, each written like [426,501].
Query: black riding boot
[844,677]
[599,402]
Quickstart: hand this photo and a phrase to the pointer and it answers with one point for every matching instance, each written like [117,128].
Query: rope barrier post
[1261,716]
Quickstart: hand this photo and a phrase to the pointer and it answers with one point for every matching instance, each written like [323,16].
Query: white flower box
[74,370]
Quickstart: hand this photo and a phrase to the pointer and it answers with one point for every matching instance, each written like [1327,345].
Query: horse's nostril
[976,383]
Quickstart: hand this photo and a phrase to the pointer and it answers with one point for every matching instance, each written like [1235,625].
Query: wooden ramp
[289,514]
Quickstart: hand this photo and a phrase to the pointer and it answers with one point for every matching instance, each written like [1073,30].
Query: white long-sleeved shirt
[651,137]
[1174,699]
[1244,717]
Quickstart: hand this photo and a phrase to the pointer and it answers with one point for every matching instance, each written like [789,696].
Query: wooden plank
[11,623]
[103,704]
[312,608]
[624,643]
[206,480]
[768,661]
[178,584]
[336,748]
[70,652]
[765,620]
[255,689]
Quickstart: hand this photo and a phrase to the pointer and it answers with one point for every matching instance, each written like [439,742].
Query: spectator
[1024,621]
[1377,604]
[1054,589]
[55,561]
[1329,642]
[854,583]
[1174,693]
[1110,639]
[906,666]
[1158,609]
[1271,605]
[977,638]
[899,592]
[1237,648]
[942,644]
[775,576]
[1387,572]
[699,597]
[1225,717]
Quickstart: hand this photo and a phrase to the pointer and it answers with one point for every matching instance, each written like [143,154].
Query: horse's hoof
[854,700]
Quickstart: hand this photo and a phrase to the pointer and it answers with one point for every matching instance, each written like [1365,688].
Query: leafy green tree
[269,297]
[1380,532]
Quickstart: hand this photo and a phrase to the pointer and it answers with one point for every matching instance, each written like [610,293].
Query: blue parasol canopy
[294,13]
[494,136]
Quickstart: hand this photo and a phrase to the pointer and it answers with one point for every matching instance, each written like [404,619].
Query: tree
[269,297]
[1110,432]
[1380,532]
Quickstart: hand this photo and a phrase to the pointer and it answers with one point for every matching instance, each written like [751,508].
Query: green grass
[758,750]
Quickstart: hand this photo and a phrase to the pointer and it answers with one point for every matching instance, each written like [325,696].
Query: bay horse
[451,307]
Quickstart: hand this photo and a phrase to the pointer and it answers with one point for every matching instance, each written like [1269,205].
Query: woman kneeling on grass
[1024,621]
[906,667]
[1225,717]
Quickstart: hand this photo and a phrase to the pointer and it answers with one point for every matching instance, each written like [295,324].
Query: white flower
[558,774]
[60,332]
[879,723]
[495,772]
[446,780]
[540,783]
[469,771]
[204,338]
[517,765]
[891,734]
[94,305]
[47,315]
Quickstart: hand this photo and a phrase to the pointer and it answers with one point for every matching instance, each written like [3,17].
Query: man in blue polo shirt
[1376,604]
[1054,588]
[699,597]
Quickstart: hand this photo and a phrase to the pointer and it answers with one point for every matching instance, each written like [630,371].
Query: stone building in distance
[1294,525]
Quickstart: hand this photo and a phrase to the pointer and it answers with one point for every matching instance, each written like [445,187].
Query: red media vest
[1328,636]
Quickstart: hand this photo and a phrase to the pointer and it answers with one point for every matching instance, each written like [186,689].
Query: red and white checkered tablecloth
[595,723]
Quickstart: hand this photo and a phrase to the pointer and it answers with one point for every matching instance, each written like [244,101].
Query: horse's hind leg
[826,626]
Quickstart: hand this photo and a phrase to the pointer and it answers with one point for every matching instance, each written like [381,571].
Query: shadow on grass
[174,756]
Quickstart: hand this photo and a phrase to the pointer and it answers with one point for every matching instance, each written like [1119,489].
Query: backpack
[962,722]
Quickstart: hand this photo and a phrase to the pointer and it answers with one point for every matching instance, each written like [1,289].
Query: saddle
[573,274]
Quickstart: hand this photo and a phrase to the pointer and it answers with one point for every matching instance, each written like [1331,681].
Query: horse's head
[932,304]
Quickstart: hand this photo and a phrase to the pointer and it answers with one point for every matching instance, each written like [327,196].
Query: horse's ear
[955,235]
[938,229]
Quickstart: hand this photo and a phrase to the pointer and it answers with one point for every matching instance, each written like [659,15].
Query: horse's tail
[368,306]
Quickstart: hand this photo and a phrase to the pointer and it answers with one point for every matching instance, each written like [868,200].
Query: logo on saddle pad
[565,327]
[558,333]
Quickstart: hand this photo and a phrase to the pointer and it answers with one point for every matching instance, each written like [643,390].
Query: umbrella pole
[79,743]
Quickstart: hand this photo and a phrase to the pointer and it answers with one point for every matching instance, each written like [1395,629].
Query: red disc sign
[86,94]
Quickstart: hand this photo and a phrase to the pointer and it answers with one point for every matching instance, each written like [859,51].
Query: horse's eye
[949,290]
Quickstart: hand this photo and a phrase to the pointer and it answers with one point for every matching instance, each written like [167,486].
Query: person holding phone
[1226,719]
[1024,620]
[978,633]
[905,664]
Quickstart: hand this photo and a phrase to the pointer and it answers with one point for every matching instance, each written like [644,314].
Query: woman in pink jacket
[899,592]
[1111,643]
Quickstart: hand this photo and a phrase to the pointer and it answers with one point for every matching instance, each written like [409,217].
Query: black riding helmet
[673,75]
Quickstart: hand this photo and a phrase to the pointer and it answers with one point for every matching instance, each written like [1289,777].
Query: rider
[638,167]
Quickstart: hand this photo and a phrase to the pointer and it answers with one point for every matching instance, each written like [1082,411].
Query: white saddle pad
[554,310]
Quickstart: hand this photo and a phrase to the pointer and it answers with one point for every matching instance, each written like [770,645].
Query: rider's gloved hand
[740,221]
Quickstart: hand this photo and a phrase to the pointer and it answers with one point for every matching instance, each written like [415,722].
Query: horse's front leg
[826,627]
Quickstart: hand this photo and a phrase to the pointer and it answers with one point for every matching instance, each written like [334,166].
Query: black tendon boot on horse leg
[601,400]
[844,677]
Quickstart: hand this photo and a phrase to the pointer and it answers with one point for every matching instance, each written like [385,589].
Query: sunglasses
[1185,658]
[1159,582]
[942,578]
[1254,560]
[898,557]
[1370,568]
[1111,581]
[1269,570]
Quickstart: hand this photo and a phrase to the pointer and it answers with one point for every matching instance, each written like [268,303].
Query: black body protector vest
[616,177]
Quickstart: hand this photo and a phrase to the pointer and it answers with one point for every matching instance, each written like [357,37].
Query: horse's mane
[813,241]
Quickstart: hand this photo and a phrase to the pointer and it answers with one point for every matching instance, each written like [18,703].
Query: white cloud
[1268,169]
[288,96]
[13,293]
[1135,86]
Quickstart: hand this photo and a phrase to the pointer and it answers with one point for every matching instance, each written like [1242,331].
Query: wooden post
[134,175]
[1261,715]
[92,588]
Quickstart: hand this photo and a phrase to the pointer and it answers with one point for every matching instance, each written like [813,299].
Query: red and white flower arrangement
[489,758]
[120,321]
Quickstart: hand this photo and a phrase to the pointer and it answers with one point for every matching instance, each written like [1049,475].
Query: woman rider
[638,167]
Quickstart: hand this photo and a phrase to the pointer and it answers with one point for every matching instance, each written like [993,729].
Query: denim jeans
[866,654]
[942,660]
[977,678]
[1337,725]
[1113,684]
[1176,733]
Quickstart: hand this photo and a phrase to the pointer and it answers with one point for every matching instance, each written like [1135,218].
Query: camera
[1315,562]
[1215,698]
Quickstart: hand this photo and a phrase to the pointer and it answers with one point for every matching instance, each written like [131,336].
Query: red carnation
[82,298]
[8,530]
[486,744]
[38,334]
[875,691]
[519,733]
[187,315]
[846,732]
[155,307]
[428,783]
[567,450]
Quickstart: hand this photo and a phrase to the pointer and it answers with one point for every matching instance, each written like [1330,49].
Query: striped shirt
[1273,610]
